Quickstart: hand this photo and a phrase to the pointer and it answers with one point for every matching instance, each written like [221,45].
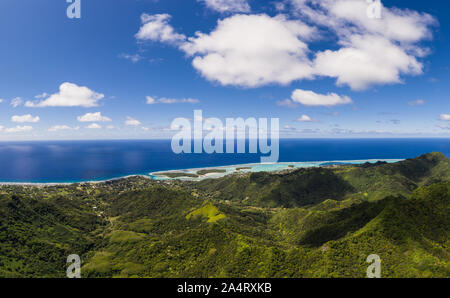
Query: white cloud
[43,95]
[16,102]
[62,127]
[25,118]
[156,28]
[223,6]
[110,127]
[373,51]
[174,100]
[18,129]
[133,58]
[310,98]
[94,126]
[132,122]
[1,128]
[252,50]
[348,17]
[1,100]
[93,117]
[419,102]
[145,128]
[279,6]
[70,95]
[153,100]
[445,117]
[305,118]
[360,64]
[256,50]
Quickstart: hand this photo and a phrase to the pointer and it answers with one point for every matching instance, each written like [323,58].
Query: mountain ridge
[320,222]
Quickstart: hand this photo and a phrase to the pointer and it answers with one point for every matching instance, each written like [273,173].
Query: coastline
[230,169]
[281,163]
[62,163]
[48,184]
[258,167]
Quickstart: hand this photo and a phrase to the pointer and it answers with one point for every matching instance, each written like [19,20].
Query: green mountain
[317,222]
[304,187]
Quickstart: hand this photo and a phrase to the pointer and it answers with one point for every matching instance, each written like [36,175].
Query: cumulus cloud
[62,127]
[310,98]
[132,122]
[372,51]
[256,50]
[445,117]
[70,95]
[93,117]
[153,100]
[359,64]
[16,102]
[25,118]
[252,50]
[223,6]
[156,28]
[1,100]
[348,17]
[18,129]
[305,118]
[94,126]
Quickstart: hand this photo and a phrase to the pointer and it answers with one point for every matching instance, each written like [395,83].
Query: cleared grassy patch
[208,211]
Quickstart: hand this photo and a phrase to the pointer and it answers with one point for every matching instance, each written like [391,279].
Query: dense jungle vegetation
[316,222]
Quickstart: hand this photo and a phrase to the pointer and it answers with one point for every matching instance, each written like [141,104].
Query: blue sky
[127,68]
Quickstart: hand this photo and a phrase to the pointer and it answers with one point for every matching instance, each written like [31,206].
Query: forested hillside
[317,222]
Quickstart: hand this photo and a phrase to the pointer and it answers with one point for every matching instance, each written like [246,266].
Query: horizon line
[169,139]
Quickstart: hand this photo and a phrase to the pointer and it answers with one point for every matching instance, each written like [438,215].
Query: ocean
[77,161]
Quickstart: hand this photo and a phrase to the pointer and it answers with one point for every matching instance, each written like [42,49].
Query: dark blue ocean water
[73,161]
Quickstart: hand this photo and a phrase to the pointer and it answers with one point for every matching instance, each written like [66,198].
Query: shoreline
[281,163]
[43,184]
[156,176]
[280,166]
